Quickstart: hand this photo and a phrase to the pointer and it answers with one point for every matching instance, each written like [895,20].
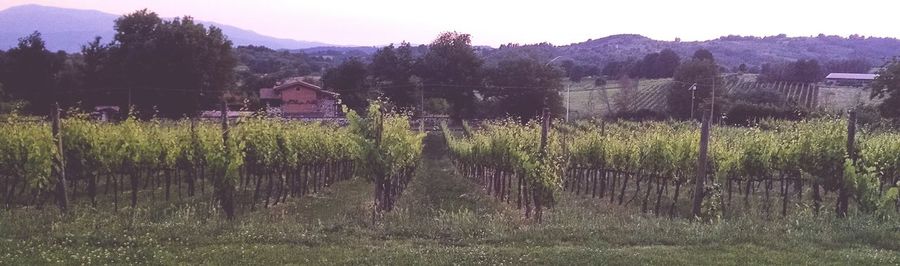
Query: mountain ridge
[68,29]
[730,51]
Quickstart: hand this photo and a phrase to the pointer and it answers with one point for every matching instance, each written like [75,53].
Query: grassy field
[441,219]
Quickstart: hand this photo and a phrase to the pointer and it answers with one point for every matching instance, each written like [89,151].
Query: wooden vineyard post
[192,175]
[224,186]
[699,182]
[378,169]
[59,164]
[843,192]
[545,127]
[538,191]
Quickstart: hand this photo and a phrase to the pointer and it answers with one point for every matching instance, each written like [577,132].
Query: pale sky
[376,22]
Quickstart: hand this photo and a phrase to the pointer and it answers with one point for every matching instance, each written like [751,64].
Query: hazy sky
[374,22]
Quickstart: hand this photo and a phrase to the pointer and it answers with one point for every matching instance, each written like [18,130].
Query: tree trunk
[134,188]
[624,186]
[659,190]
[674,200]
[817,199]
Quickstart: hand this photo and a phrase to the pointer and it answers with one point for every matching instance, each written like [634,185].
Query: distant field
[842,98]
[652,94]
[806,94]
[588,100]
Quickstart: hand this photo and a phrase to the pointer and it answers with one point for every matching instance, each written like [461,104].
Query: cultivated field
[264,191]
[588,100]
[443,218]
[843,98]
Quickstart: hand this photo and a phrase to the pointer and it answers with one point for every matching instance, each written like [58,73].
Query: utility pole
[568,97]
[712,106]
[421,109]
[693,90]
[129,101]
[545,129]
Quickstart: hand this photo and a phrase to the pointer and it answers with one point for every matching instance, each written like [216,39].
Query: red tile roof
[297,82]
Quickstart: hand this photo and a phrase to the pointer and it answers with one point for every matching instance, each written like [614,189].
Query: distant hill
[68,29]
[730,51]
[339,50]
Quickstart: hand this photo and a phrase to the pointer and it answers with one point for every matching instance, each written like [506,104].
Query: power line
[142,90]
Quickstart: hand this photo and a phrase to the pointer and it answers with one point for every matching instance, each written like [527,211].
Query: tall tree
[133,48]
[177,66]
[31,73]
[703,54]
[806,71]
[667,62]
[887,86]
[848,66]
[451,70]
[703,73]
[349,79]
[393,68]
[94,70]
[69,79]
[647,68]
[523,87]
[657,65]
[576,72]
[616,69]
[798,71]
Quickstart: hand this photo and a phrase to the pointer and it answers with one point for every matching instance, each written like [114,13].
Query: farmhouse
[105,113]
[296,98]
[850,79]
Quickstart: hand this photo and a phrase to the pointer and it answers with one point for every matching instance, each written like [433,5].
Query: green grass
[440,219]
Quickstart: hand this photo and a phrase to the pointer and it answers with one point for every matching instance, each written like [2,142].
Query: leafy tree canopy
[453,71]
[806,71]
[703,54]
[350,80]
[887,87]
[703,73]
[175,66]
[394,67]
[30,73]
[523,87]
